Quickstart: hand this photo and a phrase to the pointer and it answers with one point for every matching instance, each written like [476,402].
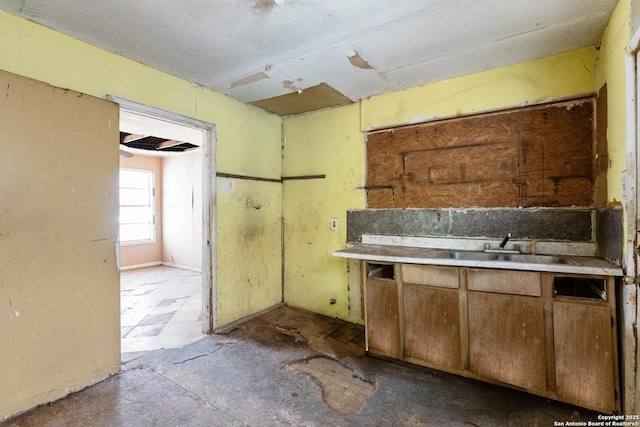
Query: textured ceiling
[255,50]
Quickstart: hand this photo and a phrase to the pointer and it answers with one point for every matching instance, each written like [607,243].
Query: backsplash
[603,226]
[609,234]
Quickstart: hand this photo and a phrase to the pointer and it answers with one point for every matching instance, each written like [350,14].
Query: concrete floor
[291,368]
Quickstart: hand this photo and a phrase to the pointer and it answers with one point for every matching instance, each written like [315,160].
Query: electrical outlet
[334,223]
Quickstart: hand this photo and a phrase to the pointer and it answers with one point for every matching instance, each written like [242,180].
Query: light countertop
[435,256]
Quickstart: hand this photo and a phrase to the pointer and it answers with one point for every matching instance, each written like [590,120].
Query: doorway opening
[166,220]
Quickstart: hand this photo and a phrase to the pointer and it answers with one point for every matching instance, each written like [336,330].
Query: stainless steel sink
[520,258]
[470,255]
[536,259]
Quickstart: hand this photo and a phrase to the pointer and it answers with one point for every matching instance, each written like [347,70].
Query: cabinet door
[382,317]
[506,339]
[583,347]
[432,325]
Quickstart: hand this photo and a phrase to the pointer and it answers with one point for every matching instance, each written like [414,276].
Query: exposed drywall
[182,210]
[146,253]
[528,157]
[322,143]
[59,283]
[301,101]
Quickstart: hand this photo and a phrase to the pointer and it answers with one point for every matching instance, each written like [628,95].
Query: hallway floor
[161,307]
[291,368]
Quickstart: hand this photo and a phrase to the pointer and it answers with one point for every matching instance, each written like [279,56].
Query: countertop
[431,256]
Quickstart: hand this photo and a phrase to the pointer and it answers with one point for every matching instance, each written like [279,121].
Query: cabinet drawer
[504,281]
[438,276]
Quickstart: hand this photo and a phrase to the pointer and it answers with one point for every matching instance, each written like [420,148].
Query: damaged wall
[248,211]
[249,241]
[323,143]
[334,145]
[59,282]
[526,157]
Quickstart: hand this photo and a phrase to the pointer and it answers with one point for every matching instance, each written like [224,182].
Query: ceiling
[292,56]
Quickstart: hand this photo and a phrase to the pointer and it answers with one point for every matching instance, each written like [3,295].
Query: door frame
[631,184]
[208,130]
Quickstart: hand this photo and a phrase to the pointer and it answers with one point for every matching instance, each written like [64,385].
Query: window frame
[152,204]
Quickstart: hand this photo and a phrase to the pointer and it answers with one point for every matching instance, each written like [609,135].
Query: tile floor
[161,307]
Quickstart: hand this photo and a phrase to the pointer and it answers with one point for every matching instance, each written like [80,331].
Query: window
[137,219]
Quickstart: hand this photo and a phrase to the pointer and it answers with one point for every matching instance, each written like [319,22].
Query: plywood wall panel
[539,156]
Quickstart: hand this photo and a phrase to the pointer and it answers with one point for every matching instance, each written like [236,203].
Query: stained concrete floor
[291,368]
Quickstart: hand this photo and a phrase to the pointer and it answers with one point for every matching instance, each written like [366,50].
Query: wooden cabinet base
[530,331]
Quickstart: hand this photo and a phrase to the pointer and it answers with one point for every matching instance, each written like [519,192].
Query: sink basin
[520,258]
[535,259]
[539,259]
[470,255]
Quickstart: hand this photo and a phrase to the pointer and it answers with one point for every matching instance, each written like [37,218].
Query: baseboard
[156,263]
[135,266]
[233,325]
[182,267]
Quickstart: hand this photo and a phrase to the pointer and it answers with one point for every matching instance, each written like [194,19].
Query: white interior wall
[182,210]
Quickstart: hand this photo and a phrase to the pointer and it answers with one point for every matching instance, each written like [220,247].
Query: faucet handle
[505,240]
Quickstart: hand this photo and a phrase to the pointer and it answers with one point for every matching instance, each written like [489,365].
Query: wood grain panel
[432,325]
[506,339]
[539,156]
[504,281]
[584,355]
[382,317]
[437,276]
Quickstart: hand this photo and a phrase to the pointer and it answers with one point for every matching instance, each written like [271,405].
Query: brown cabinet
[431,315]
[506,327]
[382,316]
[584,344]
[550,334]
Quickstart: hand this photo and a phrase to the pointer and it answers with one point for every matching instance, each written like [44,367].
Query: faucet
[505,240]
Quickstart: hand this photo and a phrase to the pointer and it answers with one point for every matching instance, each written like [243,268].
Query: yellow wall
[561,76]
[324,143]
[331,142]
[249,258]
[248,142]
[248,240]
[611,71]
